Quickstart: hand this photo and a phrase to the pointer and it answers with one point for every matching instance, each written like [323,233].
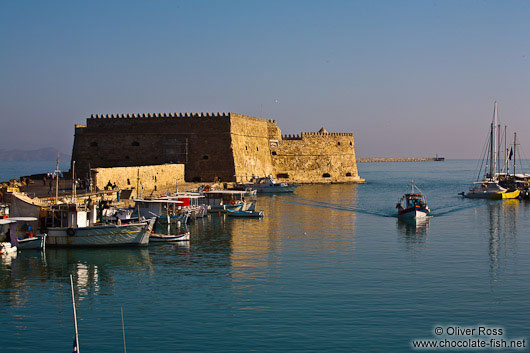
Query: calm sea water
[328,269]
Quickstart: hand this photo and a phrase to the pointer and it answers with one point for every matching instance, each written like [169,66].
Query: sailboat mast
[514,154]
[495,143]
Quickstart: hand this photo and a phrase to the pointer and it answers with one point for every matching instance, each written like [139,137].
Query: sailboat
[488,187]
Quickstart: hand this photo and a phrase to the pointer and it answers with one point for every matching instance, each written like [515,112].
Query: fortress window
[273,153]
[93,144]
[246,148]
[282,175]
[128,182]
[205,157]
[351,144]
[348,174]
[326,175]
[338,143]
[257,148]
[135,143]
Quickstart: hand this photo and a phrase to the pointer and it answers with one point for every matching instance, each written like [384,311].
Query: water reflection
[503,232]
[324,222]
[91,269]
[413,232]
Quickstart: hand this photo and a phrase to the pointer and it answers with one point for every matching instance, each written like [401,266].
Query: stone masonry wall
[230,146]
[250,146]
[200,141]
[151,178]
[316,158]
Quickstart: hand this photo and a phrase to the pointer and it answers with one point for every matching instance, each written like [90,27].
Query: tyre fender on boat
[70,231]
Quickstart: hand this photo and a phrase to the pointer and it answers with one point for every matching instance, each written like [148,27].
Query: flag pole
[76,342]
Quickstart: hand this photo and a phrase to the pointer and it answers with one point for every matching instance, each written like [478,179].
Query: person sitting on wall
[114,186]
[108,186]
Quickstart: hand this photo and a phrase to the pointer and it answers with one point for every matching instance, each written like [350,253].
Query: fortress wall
[152,178]
[201,142]
[250,146]
[310,157]
[212,145]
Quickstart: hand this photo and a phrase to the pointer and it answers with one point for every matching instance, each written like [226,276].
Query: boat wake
[387,213]
[339,207]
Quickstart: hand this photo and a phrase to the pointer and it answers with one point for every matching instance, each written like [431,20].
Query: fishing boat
[489,187]
[74,225]
[246,214]
[183,236]
[413,205]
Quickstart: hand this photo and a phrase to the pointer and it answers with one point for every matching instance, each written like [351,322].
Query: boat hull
[493,195]
[100,236]
[245,214]
[506,195]
[413,213]
[276,189]
[162,238]
[35,243]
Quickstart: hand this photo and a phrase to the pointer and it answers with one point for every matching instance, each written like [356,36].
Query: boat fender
[70,231]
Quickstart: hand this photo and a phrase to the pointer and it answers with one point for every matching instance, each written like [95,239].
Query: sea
[329,268]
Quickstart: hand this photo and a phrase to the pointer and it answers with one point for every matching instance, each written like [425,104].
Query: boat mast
[514,147]
[57,181]
[76,342]
[495,150]
[493,144]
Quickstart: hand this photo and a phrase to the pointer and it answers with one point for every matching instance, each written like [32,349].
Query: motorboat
[269,186]
[413,205]
[246,214]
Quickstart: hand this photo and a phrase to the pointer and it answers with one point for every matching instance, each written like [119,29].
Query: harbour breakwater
[381,159]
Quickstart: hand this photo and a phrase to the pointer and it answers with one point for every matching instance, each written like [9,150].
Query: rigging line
[485,149]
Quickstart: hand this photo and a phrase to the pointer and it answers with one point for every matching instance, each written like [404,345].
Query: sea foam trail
[338,207]
[438,212]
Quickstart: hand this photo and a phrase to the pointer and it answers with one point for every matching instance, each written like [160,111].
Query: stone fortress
[229,146]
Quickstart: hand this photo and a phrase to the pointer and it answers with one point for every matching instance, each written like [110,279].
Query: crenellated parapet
[323,134]
[160,115]
[291,137]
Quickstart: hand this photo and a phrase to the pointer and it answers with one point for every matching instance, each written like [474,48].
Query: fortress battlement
[213,145]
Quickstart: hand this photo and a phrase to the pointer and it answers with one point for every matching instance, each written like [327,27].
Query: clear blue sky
[408,78]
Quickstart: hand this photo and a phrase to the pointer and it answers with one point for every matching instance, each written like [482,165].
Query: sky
[408,78]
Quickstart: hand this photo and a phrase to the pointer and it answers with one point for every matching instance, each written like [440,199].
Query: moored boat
[489,187]
[183,236]
[269,186]
[247,214]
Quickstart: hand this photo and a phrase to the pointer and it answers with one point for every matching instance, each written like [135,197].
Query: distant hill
[42,154]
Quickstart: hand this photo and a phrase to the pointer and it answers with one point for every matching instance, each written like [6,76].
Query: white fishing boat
[413,205]
[184,236]
[74,225]
[269,186]
[488,187]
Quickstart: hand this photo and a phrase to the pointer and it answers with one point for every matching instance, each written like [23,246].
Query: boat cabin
[70,215]
[224,197]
